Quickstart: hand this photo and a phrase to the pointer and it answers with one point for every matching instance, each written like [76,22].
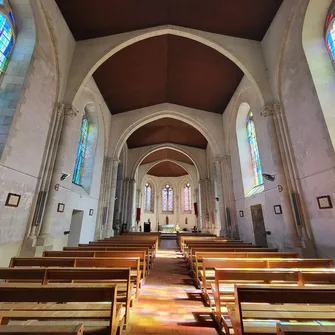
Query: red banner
[196,209]
[138,214]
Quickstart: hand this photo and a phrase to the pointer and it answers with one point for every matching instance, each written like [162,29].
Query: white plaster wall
[20,166]
[311,143]
[158,216]
[73,196]
[270,197]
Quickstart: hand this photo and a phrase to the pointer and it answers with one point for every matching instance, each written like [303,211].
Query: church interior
[167,167]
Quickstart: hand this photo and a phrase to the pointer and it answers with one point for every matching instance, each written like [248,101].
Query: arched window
[254,153]
[330,36]
[148,198]
[81,151]
[167,198]
[187,198]
[6,40]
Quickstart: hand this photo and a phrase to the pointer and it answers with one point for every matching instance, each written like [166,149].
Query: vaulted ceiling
[168,69]
[167,130]
[166,154]
[240,18]
[167,169]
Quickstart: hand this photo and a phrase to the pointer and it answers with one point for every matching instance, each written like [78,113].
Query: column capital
[116,161]
[271,110]
[60,108]
[132,180]
[217,160]
[70,111]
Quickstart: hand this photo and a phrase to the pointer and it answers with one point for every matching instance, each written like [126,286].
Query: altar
[167,228]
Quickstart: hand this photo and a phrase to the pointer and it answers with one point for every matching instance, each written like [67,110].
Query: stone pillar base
[30,247]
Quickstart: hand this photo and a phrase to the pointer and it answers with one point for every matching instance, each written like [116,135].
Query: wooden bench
[257,310]
[79,262]
[109,252]
[193,250]
[45,276]
[207,274]
[199,256]
[222,290]
[28,329]
[316,329]
[62,305]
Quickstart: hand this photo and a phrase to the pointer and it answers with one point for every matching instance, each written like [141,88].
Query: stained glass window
[148,198]
[82,145]
[255,159]
[187,199]
[330,40]
[167,199]
[6,41]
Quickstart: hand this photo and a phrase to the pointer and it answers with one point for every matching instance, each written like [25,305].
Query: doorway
[75,228]
[259,226]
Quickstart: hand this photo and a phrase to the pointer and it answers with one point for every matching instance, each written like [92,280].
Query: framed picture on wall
[277,209]
[91,212]
[13,200]
[60,207]
[241,214]
[324,202]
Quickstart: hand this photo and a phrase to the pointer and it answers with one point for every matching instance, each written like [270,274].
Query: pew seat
[27,329]
[94,305]
[258,309]
[310,329]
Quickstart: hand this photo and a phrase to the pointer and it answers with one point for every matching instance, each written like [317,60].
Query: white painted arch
[124,124]
[246,54]
[182,149]
[185,166]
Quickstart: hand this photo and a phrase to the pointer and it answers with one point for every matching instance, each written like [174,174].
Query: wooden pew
[316,329]
[225,279]
[107,252]
[28,329]
[83,262]
[63,304]
[260,308]
[44,276]
[209,264]
[199,256]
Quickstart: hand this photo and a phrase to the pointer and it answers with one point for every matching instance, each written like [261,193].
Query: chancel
[182,146]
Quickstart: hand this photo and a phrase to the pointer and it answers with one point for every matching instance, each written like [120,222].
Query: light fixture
[167,185]
[188,185]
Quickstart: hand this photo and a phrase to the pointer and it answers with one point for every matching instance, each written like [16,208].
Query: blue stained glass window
[6,41]
[82,145]
[255,159]
[11,16]
[330,40]
[167,199]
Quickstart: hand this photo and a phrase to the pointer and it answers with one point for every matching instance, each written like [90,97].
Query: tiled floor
[169,302]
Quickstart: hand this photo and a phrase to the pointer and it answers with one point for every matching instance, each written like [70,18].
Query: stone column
[103,198]
[44,237]
[44,181]
[111,201]
[210,203]
[126,200]
[196,193]
[220,198]
[131,206]
[204,208]
[123,201]
[292,240]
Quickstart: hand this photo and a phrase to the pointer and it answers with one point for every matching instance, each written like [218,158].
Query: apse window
[81,153]
[187,199]
[254,156]
[167,199]
[148,198]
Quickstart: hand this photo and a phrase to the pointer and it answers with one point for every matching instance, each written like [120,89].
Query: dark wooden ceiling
[167,130]
[168,69]
[166,154]
[241,18]
[167,169]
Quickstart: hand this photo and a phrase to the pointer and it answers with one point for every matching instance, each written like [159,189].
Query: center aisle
[169,303]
